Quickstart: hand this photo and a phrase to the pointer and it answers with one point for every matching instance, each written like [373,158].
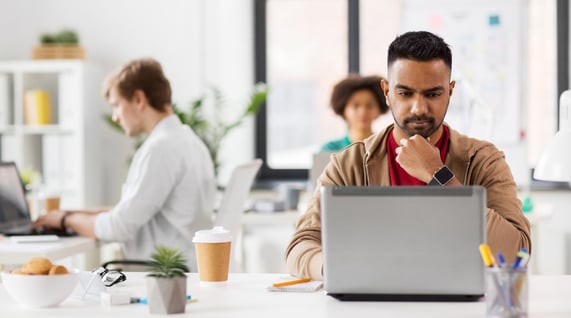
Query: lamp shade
[555,162]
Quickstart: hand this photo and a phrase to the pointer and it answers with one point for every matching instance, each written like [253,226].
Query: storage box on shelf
[58,51]
[63,143]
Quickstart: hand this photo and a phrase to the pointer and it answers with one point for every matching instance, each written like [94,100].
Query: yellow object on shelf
[37,108]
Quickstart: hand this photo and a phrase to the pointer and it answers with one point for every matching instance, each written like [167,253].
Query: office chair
[229,214]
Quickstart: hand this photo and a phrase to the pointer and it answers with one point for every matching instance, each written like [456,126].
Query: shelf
[35,130]
[65,151]
[40,66]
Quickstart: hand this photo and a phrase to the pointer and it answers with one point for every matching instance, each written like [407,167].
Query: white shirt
[168,195]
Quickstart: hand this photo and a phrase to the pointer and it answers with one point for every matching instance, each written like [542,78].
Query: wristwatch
[442,176]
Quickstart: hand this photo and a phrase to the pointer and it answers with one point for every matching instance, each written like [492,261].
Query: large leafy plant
[211,127]
[167,263]
[209,123]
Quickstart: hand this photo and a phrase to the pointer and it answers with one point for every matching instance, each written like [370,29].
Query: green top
[336,145]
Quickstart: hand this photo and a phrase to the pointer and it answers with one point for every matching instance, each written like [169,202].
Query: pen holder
[506,292]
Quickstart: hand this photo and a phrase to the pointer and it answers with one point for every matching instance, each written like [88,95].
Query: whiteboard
[488,43]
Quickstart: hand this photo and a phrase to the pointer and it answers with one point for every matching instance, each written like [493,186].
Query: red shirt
[398,175]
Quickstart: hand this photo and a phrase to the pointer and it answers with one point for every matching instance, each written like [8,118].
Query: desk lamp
[555,162]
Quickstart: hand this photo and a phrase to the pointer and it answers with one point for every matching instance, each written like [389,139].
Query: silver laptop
[14,213]
[403,243]
[318,164]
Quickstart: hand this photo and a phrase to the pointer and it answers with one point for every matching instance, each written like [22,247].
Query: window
[305,53]
[303,47]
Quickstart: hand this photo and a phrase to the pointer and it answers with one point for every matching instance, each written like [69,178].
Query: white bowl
[39,290]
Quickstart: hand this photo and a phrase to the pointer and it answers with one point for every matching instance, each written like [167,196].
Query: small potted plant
[60,45]
[166,283]
[30,178]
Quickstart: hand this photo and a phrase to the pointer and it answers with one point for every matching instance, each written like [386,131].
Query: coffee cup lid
[218,234]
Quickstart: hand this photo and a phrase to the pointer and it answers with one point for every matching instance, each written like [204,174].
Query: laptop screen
[13,204]
[319,162]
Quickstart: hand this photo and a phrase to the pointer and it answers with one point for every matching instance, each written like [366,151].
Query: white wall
[198,42]
[113,32]
[229,63]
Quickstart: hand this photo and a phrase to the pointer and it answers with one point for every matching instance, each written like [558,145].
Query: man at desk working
[418,149]
[170,187]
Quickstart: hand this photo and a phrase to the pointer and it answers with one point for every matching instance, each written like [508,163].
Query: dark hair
[419,46]
[143,74]
[343,90]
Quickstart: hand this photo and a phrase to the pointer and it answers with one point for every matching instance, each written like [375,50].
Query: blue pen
[521,260]
[521,254]
[501,260]
[144,301]
[524,260]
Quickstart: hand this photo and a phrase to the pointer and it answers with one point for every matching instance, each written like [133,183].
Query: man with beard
[419,149]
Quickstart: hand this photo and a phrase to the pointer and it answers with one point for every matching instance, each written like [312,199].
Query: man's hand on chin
[418,157]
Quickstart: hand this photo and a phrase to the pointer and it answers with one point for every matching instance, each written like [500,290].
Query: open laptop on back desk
[14,212]
[318,164]
[403,243]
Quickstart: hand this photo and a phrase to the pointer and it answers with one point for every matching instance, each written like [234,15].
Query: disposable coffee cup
[212,249]
[49,200]
[51,203]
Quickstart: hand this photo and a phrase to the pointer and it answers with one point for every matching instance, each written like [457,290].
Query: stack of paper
[297,286]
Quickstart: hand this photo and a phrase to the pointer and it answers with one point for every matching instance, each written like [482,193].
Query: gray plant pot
[166,295]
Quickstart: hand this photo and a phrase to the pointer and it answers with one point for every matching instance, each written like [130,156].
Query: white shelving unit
[66,150]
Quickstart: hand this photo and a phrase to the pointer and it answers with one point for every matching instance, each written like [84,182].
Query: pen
[521,259]
[524,260]
[501,260]
[292,282]
[486,254]
[144,301]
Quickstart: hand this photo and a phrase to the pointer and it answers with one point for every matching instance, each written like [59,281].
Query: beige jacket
[474,162]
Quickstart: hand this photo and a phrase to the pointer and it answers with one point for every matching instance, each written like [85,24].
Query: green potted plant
[60,45]
[30,178]
[166,282]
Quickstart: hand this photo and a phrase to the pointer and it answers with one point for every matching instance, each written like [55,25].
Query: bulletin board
[488,42]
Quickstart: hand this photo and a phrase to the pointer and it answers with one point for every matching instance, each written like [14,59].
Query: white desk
[246,296]
[19,253]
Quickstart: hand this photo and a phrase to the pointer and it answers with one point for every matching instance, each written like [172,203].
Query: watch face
[444,175]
